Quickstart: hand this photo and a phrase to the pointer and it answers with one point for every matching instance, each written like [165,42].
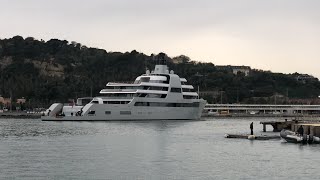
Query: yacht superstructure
[155,95]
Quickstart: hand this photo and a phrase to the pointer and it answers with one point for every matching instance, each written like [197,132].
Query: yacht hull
[132,113]
[159,95]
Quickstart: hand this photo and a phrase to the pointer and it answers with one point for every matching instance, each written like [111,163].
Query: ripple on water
[34,149]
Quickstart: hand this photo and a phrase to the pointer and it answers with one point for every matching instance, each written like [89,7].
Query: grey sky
[276,35]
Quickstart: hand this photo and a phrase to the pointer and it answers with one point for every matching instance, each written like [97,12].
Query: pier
[278,125]
[261,110]
[251,137]
[312,129]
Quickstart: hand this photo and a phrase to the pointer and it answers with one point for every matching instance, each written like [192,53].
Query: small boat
[291,136]
[155,95]
[213,113]
[316,139]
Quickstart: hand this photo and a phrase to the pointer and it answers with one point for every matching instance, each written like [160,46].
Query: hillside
[57,70]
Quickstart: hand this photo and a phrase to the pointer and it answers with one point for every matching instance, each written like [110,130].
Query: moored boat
[290,136]
[155,95]
[293,137]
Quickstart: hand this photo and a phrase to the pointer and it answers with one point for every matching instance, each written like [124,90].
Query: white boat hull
[158,95]
[136,113]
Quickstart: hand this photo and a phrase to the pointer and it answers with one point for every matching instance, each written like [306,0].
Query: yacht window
[95,102]
[168,79]
[141,104]
[190,97]
[163,95]
[116,102]
[107,112]
[158,88]
[155,88]
[187,90]
[142,95]
[92,112]
[159,104]
[125,112]
[176,90]
[156,81]
[119,95]
[124,102]
[145,79]
[111,102]
[154,95]
[195,104]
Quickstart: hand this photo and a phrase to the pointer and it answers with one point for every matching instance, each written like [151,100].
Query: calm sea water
[32,149]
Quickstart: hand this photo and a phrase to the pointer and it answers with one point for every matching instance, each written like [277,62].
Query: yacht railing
[117,83]
[106,97]
[118,90]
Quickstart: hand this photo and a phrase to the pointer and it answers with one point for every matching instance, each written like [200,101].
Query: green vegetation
[56,70]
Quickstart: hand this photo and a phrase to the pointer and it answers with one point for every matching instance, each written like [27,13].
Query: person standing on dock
[300,131]
[251,128]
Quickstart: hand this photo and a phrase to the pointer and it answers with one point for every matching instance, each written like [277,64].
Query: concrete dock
[261,110]
[279,125]
[312,129]
[245,136]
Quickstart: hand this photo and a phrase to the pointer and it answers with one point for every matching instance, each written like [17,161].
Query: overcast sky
[276,35]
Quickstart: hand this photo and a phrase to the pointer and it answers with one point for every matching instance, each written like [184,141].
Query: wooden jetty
[251,137]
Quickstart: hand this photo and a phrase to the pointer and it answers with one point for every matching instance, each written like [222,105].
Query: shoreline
[19,115]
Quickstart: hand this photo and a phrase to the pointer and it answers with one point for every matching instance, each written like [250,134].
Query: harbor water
[33,149]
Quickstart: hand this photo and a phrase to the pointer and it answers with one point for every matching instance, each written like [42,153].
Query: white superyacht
[156,95]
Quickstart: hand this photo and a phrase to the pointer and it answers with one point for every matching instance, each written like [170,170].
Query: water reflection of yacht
[159,94]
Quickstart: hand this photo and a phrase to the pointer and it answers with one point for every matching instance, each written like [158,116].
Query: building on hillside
[21,101]
[305,77]
[5,101]
[242,69]
[236,69]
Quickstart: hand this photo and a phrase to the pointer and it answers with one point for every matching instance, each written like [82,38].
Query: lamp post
[237,95]
[252,94]
[221,93]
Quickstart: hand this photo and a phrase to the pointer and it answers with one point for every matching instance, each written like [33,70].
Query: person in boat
[251,128]
[300,131]
[49,112]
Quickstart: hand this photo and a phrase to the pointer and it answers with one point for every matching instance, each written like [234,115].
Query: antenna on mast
[162,59]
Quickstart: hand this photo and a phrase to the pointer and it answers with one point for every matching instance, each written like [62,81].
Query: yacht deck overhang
[137,85]
[112,91]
